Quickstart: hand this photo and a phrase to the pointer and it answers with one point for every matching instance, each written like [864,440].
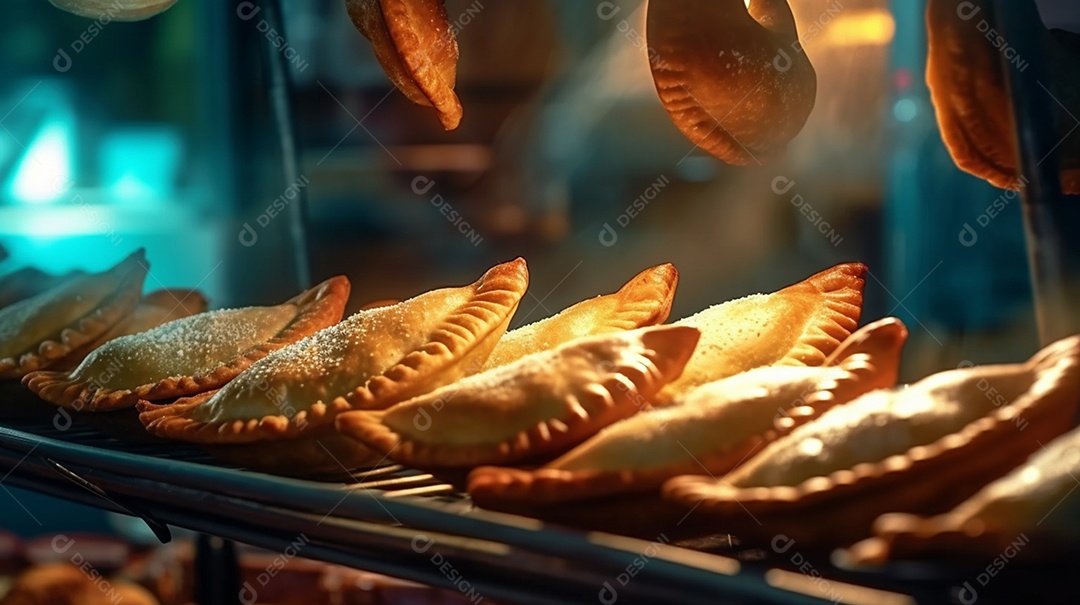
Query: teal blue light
[45,170]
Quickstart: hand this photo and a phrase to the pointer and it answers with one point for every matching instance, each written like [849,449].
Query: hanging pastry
[733,78]
[414,42]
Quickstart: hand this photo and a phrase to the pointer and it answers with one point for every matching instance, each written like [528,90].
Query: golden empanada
[541,404]
[414,42]
[971,99]
[733,77]
[645,300]
[156,308]
[921,449]
[798,325]
[43,329]
[716,427]
[373,359]
[190,355]
[1035,503]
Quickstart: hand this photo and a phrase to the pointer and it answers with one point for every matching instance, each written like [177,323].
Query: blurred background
[163,134]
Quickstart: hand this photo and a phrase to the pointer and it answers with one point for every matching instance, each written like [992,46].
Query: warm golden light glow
[856,28]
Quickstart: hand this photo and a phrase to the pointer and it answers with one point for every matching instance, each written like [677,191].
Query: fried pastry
[733,78]
[1033,503]
[716,428]
[645,300]
[970,96]
[156,308]
[416,45]
[798,325]
[43,329]
[542,404]
[920,449]
[190,355]
[373,359]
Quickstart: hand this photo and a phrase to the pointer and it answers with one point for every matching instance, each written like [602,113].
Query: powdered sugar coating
[191,346]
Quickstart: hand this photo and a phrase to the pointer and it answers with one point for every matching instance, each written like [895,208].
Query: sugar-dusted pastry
[43,329]
[798,325]
[733,77]
[645,300]
[415,43]
[1036,503]
[190,355]
[968,88]
[922,449]
[156,308]
[542,404]
[282,409]
[716,428]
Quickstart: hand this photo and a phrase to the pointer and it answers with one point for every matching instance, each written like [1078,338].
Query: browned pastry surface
[734,79]
[967,87]
[414,43]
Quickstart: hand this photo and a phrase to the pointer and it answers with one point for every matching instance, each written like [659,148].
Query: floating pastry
[415,43]
[1035,503]
[798,325]
[542,404]
[920,449]
[645,300]
[717,426]
[733,78]
[114,10]
[190,355]
[43,329]
[373,359]
[968,88]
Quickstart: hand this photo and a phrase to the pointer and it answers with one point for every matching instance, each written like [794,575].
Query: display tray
[418,526]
